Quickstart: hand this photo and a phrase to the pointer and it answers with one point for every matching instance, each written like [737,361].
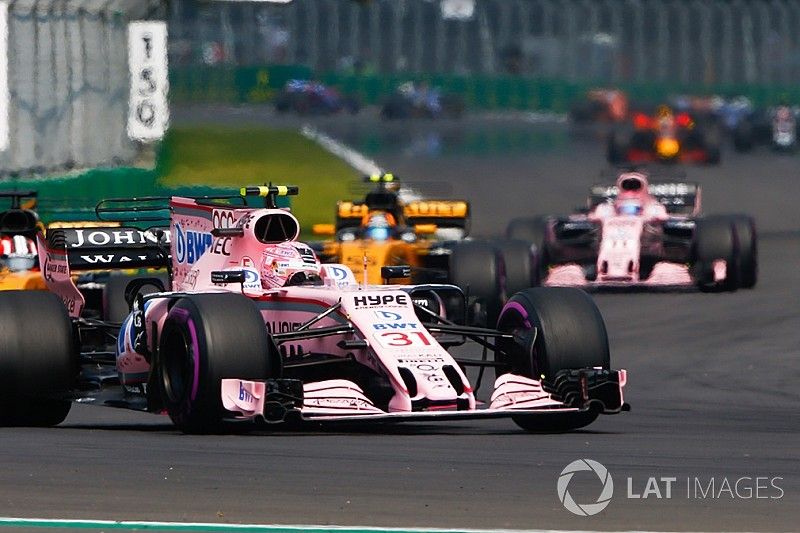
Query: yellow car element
[19,225]
[383,231]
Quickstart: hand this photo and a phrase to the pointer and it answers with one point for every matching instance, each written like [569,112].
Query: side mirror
[324,229]
[395,272]
[228,276]
[425,229]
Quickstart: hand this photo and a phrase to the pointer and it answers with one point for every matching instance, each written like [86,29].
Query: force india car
[226,344]
[644,234]
[665,137]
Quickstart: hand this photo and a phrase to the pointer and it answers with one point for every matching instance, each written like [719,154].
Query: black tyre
[555,329]
[532,230]
[743,137]
[115,307]
[519,259]
[208,337]
[710,141]
[747,240]
[617,147]
[283,102]
[477,267]
[715,240]
[37,370]
[528,229]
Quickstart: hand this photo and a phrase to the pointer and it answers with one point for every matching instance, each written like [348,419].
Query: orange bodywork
[376,254]
[30,280]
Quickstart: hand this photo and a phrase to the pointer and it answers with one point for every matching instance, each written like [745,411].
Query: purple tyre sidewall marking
[183,316]
[519,309]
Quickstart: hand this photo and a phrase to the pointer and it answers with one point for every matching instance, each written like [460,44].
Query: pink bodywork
[382,316]
[620,246]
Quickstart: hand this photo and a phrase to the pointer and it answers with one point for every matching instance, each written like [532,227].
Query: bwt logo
[388,315]
[585,509]
[190,245]
[339,274]
[245,395]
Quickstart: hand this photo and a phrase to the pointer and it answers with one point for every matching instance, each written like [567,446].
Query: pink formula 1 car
[254,328]
[638,234]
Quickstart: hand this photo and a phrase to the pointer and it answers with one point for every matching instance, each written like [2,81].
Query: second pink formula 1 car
[641,234]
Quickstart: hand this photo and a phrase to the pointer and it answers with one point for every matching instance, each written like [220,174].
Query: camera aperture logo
[603,475]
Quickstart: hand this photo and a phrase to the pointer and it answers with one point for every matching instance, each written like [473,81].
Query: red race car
[664,137]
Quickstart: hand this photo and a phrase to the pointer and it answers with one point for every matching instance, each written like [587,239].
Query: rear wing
[443,213]
[112,247]
[679,198]
[67,250]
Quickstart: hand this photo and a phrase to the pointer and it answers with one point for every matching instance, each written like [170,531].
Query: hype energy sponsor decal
[190,245]
[381,300]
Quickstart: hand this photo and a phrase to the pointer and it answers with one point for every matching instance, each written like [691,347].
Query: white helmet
[289,263]
[18,252]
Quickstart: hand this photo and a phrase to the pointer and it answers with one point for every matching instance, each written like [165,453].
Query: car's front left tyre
[207,338]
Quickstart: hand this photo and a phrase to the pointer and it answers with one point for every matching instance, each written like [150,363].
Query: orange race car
[429,236]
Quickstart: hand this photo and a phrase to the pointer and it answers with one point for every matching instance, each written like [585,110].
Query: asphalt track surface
[713,384]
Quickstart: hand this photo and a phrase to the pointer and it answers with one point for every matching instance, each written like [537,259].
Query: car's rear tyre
[519,258]
[554,329]
[747,240]
[38,365]
[206,338]
[617,147]
[477,267]
[532,230]
[714,240]
[115,307]
[743,137]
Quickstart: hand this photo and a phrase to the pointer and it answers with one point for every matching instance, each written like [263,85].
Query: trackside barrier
[253,85]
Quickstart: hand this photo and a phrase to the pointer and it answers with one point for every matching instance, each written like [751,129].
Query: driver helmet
[289,263]
[379,226]
[631,193]
[629,207]
[18,253]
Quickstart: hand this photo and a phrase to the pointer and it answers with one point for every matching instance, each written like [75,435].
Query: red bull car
[664,137]
[641,234]
[253,329]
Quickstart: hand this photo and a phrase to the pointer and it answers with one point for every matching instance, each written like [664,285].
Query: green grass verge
[232,157]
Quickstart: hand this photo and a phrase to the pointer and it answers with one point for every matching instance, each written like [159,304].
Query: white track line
[354,158]
[11,522]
